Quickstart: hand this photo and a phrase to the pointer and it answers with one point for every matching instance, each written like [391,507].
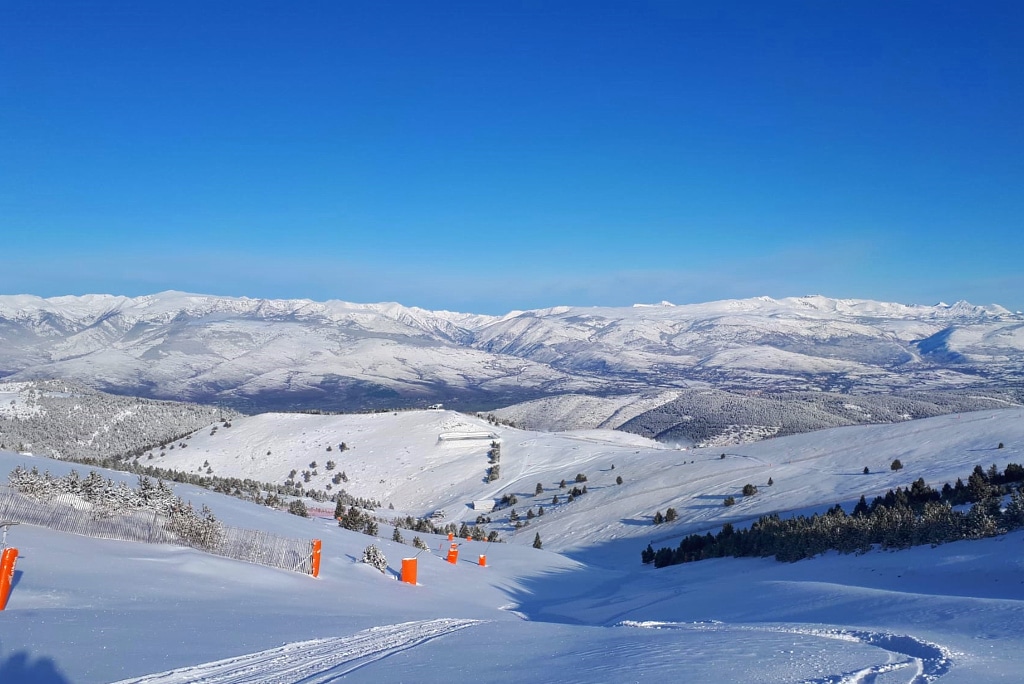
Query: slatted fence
[69,513]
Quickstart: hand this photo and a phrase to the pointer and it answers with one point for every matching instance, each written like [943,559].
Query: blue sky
[489,156]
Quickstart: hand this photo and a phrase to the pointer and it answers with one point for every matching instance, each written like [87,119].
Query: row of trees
[901,518]
[103,498]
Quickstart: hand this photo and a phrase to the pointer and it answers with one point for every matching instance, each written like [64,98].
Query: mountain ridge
[260,354]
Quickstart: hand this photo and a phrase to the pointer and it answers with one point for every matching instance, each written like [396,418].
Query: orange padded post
[483,561]
[7,560]
[451,536]
[409,570]
[316,558]
[453,554]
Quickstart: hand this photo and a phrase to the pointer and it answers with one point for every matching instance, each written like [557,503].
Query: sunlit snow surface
[86,610]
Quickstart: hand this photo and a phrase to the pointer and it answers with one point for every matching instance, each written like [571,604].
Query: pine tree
[538,490]
[396,536]
[671,515]
[373,557]
[862,507]
[647,555]
[536,541]
[658,518]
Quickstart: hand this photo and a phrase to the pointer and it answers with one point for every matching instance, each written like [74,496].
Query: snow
[582,610]
[243,351]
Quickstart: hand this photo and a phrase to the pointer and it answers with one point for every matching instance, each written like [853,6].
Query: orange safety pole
[483,561]
[451,536]
[453,554]
[409,570]
[7,560]
[316,558]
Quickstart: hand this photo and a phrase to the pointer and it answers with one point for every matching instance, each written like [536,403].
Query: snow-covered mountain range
[260,354]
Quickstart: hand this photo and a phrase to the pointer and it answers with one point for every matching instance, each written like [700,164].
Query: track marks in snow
[929,661]
[925,660]
[311,662]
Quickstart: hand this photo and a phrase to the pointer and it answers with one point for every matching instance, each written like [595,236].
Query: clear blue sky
[488,156]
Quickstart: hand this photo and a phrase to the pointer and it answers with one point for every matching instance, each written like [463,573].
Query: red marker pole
[316,558]
[7,560]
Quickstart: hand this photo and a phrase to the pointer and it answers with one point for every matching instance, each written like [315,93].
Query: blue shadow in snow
[21,668]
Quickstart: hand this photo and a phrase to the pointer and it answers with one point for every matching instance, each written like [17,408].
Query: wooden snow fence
[69,513]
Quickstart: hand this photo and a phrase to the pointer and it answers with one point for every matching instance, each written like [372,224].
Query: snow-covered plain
[582,610]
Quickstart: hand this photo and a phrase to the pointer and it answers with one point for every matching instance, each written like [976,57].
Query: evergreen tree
[861,508]
[538,490]
[536,541]
[297,507]
[396,536]
[373,557]
[671,515]
[896,465]
[647,555]
[658,518]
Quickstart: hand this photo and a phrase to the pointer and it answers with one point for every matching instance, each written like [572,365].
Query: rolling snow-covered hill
[416,462]
[68,420]
[583,609]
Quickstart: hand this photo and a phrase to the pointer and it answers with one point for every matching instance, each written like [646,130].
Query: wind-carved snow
[926,661]
[311,662]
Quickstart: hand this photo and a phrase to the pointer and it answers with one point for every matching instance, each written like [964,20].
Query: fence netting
[66,512]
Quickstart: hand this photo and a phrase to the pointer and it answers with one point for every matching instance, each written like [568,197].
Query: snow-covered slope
[90,611]
[399,459]
[67,420]
[271,354]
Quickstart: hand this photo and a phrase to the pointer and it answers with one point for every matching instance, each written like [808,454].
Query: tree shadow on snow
[21,668]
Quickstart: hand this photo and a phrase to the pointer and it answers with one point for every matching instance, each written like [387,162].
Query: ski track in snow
[311,662]
[927,661]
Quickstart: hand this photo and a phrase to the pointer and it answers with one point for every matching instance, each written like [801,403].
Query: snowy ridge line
[311,662]
[929,661]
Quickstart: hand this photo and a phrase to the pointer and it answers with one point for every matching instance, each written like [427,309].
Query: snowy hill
[400,460]
[89,611]
[65,419]
[285,354]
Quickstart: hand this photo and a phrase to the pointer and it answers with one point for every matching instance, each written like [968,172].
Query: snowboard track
[927,661]
[311,662]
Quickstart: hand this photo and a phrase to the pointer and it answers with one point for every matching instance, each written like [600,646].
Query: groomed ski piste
[583,609]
